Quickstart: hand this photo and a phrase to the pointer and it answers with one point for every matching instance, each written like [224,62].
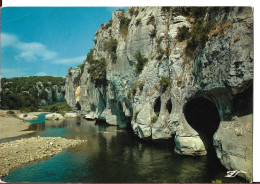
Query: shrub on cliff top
[124,23]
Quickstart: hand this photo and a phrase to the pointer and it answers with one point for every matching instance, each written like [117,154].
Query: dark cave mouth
[202,115]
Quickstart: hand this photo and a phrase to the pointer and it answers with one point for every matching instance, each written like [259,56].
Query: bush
[97,70]
[111,46]
[28,109]
[155,117]
[138,21]
[141,85]
[160,53]
[141,61]
[131,11]
[124,23]
[43,94]
[183,33]
[10,112]
[153,33]
[199,36]
[151,21]
[57,107]
[165,82]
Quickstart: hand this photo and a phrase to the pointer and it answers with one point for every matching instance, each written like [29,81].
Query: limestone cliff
[156,79]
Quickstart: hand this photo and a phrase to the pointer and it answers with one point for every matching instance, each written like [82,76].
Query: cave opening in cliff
[78,106]
[242,103]
[203,116]
[169,106]
[157,105]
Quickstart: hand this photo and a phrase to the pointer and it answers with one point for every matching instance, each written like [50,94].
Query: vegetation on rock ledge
[141,61]
[97,69]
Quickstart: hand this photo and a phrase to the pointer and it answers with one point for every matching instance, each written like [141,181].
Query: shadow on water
[112,154]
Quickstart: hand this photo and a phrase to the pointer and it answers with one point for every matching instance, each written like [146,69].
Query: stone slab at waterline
[26,116]
[19,152]
[54,116]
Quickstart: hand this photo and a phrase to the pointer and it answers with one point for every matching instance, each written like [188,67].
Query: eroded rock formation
[155,98]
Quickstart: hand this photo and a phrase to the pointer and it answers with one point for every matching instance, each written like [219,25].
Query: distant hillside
[31,92]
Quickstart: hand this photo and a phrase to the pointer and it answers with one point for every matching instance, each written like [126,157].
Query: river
[114,155]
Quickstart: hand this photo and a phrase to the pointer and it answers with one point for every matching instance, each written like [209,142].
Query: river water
[112,155]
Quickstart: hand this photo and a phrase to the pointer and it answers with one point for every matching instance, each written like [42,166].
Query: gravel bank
[19,152]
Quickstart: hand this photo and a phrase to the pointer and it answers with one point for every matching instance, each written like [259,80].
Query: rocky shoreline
[17,153]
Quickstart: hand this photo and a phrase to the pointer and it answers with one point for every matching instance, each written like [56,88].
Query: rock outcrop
[235,147]
[54,116]
[151,78]
[25,116]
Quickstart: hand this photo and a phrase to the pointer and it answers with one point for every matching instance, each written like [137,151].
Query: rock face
[51,95]
[154,100]
[235,147]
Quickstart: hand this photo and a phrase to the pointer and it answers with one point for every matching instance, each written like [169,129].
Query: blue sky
[47,41]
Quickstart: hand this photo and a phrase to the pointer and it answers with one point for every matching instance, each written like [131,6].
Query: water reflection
[112,155]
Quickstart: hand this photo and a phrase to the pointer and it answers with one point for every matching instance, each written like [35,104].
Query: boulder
[26,116]
[54,116]
[190,146]
[71,115]
[90,116]
[233,142]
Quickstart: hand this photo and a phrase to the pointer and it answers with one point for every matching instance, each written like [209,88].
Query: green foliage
[199,36]
[97,69]
[43,94]
[131,11]
[29,109]
[160,53]
[141,85]
[199,32]
[166,9]
[82,67]
[165,82]
[21,92]
[216,181]
[108,25]
[195,12]
[155,117]
[132,92]
[138,21]
[141,61]
[69,71]
[183,33]
[10,112]
[124,23]
[185,11]
[57,107]
[153,33]
[151,21]
[111,46]
[120,9]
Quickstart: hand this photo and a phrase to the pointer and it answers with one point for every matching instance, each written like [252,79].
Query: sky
[38,41]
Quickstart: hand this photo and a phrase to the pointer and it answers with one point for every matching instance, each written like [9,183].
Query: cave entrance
[157,105]
[78,106]
[242,103]
[203,116]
